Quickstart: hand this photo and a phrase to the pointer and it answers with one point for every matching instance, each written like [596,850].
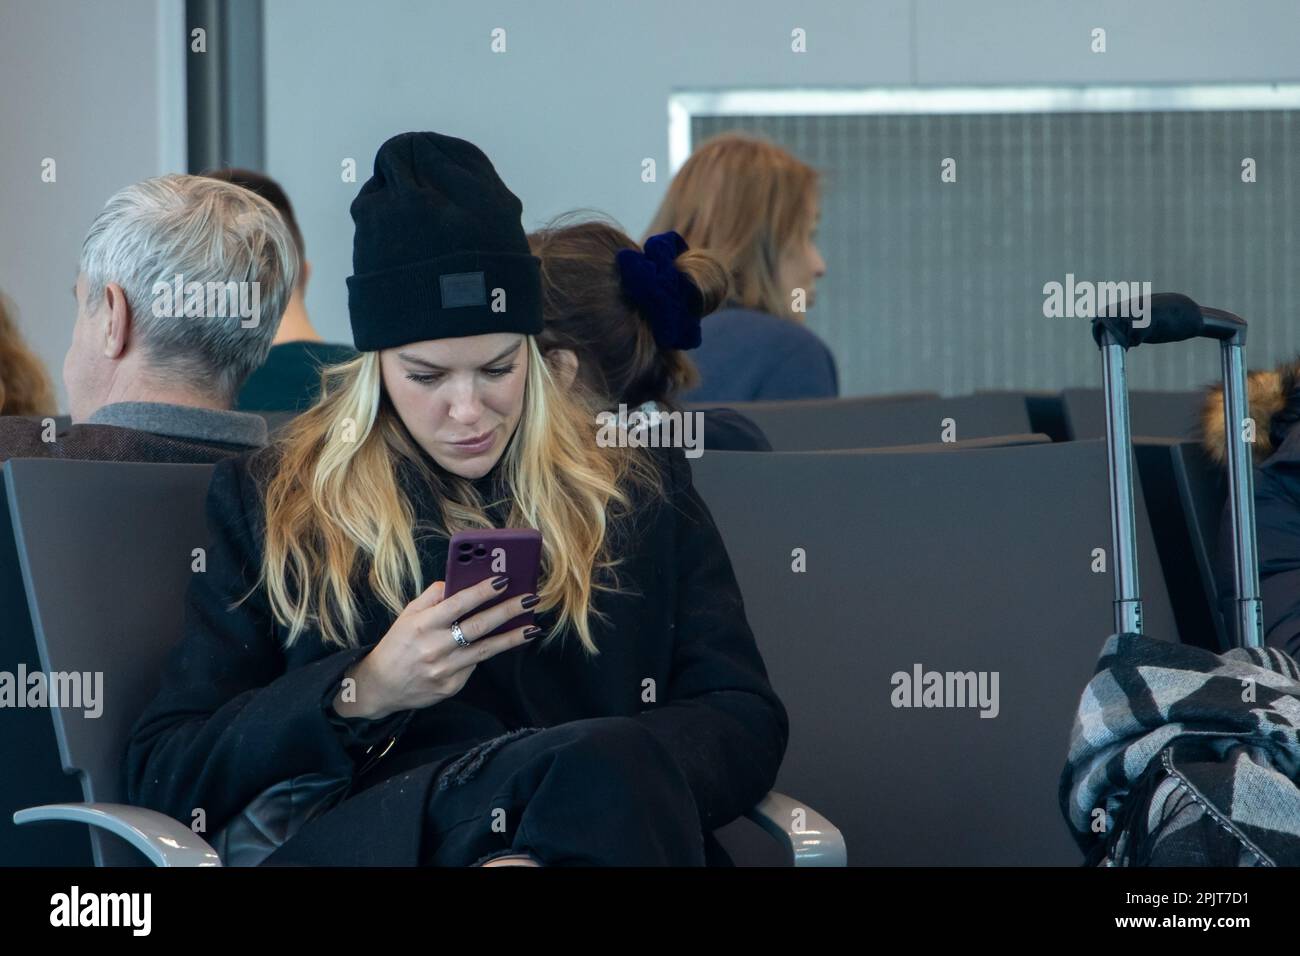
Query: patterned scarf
[1182,757]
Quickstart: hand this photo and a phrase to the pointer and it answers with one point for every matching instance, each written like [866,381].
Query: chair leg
[513,859]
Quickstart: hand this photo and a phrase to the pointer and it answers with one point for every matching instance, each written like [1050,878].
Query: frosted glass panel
[934,285]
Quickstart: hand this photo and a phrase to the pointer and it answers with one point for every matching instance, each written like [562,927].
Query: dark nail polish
[531,632]
[530,601]
[500,583]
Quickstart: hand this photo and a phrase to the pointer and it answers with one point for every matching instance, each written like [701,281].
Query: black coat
[1277,531]
[1274,396]
[236,713]
[21,437]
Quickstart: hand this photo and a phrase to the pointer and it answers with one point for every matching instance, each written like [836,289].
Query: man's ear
[116,328]
[564,364]
[304,273]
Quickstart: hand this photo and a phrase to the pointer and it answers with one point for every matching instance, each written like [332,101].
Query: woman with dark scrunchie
[755,207]
[620,319]
[330,704]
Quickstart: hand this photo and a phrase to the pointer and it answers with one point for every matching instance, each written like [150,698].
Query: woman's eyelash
[429,377]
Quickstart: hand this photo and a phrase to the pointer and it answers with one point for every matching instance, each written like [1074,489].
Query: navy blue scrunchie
[663,293]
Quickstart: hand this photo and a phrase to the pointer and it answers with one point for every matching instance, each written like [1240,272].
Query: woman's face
[801,263]
[450,391]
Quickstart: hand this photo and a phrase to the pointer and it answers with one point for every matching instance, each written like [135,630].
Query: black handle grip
[1165,317]
[1221,324]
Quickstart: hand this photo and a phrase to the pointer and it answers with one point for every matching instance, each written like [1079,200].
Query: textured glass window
[934,285]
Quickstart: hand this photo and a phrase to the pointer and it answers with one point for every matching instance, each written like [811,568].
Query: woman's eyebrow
[427,364]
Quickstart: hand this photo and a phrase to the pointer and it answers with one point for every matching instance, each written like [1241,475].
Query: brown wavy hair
[1273,402]
[587,312]
[745,200]
[25,385]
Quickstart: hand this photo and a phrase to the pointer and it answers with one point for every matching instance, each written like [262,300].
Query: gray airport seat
[883,398]
[30,771]
[1152,414]
[1046,412]
[106,550]
[966,561]
[1203,489]
[993,441]
[1165,491]
[875,422]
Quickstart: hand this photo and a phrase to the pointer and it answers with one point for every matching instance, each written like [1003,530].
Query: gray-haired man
[181,286]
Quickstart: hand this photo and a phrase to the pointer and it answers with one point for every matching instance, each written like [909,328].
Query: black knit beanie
[439,249]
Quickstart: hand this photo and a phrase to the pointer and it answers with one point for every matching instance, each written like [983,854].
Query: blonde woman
[755,207]
[329,703]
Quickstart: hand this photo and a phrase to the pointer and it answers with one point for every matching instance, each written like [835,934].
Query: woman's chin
[468,467]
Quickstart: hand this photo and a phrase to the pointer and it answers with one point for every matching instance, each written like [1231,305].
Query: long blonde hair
[745,200]
[335,498]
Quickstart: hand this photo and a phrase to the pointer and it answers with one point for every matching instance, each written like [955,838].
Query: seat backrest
[1154,414]
[978,560]
[1195,616]
[874,422]
[1203,488]
[30,771]
[1045,408]
[996,441]
[107,550]
[884,399]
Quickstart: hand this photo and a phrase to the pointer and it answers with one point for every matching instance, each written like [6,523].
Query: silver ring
[458,635]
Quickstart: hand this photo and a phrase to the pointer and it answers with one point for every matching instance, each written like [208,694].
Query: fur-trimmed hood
[1273,396]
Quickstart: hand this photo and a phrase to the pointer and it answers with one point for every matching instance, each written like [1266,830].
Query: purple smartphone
[488,552]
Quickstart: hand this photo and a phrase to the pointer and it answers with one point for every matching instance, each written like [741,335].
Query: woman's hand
[418,663]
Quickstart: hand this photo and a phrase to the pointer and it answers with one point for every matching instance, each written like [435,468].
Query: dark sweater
[1277,530]
[289,379]
[24,438]
[237,713]
[725,429]
[749,356]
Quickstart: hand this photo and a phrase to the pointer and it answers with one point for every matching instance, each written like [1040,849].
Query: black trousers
[596,792]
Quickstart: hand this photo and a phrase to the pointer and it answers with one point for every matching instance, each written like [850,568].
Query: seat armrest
[816,843]
[164,841]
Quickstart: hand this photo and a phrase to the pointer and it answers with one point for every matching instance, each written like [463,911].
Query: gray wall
[579,98]
[90,85]
[568,113]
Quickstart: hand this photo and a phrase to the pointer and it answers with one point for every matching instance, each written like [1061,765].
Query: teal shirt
[289,380]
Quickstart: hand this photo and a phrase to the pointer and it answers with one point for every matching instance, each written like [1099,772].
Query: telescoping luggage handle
[1170,317]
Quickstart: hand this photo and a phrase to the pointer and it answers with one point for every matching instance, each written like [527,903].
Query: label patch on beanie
[460,289]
